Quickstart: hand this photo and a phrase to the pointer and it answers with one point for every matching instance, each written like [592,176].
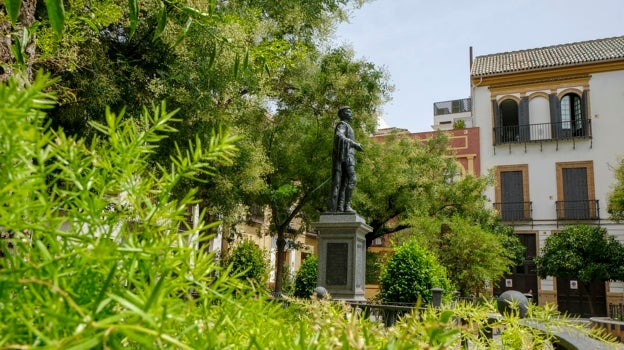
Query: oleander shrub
[306,278]
[409,275]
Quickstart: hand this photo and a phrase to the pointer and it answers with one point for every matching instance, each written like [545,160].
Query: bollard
[320,293]
[436,296]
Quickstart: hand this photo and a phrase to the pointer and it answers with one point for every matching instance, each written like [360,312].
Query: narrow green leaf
[133,7]
[102,293]
[133,307]
[191,11]
[13,8]
[155,293]
[56,15]
[213,55]
[44,251]
[267,69]
[182,35]
[162,21]
[16,49]
[236,64]
[246,60]
[213,6]
[91,24]
[86,344]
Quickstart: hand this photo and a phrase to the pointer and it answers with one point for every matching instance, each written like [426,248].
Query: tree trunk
[586,288]
[279,262]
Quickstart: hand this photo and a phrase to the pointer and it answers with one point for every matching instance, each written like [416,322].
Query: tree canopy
[584,253]
[267,72]
[412,188]
[616,197]
[404,179]
[264,70]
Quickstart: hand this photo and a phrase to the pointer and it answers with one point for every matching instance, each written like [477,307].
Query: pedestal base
[342,255]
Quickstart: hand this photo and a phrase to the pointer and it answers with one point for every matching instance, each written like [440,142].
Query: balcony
[578,210]
[542,132]
[515,211]
[452,107]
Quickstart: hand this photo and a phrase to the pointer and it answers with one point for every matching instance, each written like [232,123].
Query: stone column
[342,255]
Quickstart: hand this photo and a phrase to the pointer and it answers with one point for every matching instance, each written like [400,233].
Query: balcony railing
[515,211]
[451,107]
[542,132]
[578,210]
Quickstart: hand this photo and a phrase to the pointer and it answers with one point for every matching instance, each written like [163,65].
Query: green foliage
[13,9]
[249,262]
[96,254]
[459,124]
[262,68]
[412,187]
[585,253]
[514,249]
[410,273]
[615,206]
[374,262]
[472,255]
[404,181]
[306,278]
[91,249]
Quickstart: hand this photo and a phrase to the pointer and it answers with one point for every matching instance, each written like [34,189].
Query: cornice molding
[546,74]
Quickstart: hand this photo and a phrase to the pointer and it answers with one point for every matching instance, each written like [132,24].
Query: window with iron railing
[542,132]
[578,210]
[515,211]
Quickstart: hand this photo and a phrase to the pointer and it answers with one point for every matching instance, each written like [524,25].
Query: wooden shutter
[555,115]
[523,120]
[575,193]
[512,195]
[498,123]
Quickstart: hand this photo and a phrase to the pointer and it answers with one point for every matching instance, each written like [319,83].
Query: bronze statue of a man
[343,163]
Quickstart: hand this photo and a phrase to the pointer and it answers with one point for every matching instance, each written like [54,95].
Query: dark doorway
[510,121]
[572,298]
[524,276]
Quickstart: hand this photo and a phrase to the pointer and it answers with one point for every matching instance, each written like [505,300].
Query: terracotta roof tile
[550,56]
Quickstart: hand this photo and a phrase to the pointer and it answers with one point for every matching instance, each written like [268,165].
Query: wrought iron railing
[515,211]
[578,210]
[542,132]
[451,107]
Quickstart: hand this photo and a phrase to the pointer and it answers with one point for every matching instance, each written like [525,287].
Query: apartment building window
[573,121]
[556,116]
[507,123]
[512,193]
[575,191]
[511,120]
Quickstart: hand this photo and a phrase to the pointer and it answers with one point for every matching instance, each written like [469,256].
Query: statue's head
[345,113]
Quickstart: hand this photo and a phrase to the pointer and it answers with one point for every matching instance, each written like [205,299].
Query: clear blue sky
[424,45]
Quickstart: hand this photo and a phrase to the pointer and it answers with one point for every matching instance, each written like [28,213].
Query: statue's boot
[347,205]
[340,205]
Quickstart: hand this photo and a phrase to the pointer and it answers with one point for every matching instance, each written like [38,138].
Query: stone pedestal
[342,255]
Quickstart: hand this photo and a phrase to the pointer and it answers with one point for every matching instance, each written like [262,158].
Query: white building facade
[552,130]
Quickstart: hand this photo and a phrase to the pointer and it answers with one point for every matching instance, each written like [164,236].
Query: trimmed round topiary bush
[249,262]
[306,278]
[410,273]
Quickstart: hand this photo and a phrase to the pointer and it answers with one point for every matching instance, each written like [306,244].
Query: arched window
[573,122]
[509,121]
